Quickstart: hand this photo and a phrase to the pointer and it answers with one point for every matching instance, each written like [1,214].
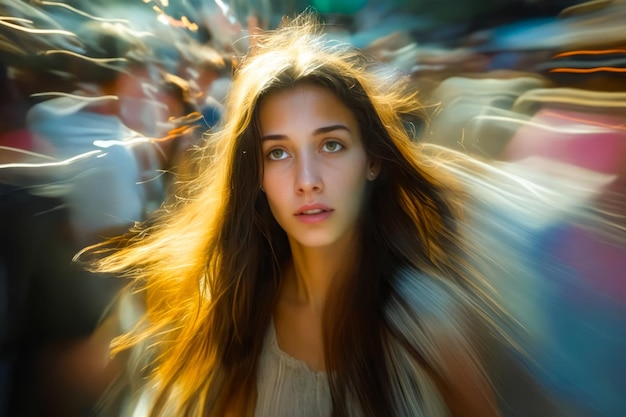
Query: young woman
[320,262]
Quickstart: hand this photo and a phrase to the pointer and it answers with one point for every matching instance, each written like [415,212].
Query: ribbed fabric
[287,386]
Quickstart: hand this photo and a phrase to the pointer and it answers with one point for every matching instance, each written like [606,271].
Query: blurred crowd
[101,101]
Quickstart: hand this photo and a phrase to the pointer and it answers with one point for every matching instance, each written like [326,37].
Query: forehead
[302,105]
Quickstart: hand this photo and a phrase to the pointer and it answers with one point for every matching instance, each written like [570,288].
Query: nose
[308,178]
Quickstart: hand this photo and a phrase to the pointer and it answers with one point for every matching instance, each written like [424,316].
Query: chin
[315,240]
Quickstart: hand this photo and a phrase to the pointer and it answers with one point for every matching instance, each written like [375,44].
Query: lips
[312,210]
[312,214]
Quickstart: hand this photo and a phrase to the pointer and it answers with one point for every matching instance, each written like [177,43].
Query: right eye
[277,154]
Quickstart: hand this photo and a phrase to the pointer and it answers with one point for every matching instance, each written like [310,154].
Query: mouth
[314,214]
[312,211]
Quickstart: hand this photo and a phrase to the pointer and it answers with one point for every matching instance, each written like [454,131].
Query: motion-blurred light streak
[5,21]
[64,162]
[83,13]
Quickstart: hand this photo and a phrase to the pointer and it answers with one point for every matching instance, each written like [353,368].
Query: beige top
[286,386]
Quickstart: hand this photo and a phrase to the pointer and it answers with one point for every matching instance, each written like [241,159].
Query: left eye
[332,146]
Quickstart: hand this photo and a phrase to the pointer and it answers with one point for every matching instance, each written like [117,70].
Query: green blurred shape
[337,6]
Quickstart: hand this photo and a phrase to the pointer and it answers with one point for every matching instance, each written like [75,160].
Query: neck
[313,271]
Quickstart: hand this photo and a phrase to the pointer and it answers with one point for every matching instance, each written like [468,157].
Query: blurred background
[102,100]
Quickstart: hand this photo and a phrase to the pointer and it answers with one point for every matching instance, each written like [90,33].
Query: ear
[373,169]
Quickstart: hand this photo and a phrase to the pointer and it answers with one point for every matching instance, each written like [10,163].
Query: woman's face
[315,168]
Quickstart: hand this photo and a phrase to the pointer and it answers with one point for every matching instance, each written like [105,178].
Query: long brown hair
[208,266]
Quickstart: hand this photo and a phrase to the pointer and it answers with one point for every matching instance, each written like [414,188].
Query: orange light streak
[592,52]
[588,70]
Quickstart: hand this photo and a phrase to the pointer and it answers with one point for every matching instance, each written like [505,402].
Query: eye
[332,146]
[277,154]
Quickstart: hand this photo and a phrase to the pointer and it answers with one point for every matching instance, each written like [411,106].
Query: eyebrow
[317,132]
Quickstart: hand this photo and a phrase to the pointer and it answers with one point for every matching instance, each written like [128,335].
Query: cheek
[355,179]
[278,209]
[274,187]
[358,194]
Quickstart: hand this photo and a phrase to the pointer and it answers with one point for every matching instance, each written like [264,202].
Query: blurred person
[475,115]
[321,262]
[120,186]
[581,131]
[56,325]
[208,73]
[187,125]
[76,180]
[225,27]
[13,109]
